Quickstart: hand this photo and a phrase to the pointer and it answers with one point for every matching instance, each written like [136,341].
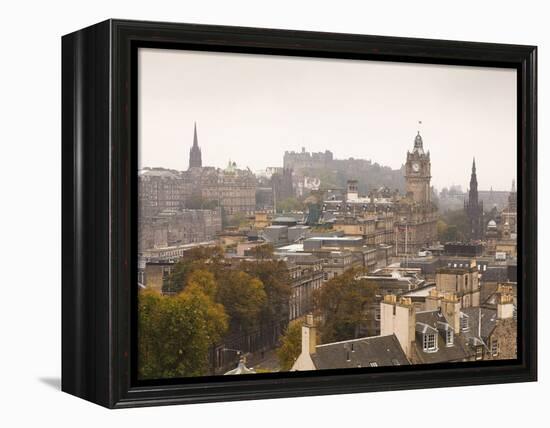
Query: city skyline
[169,108]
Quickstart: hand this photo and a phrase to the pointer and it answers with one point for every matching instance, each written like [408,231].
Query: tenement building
[160,189]
[176,227]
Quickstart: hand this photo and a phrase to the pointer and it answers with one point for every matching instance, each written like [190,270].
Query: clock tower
[418,173]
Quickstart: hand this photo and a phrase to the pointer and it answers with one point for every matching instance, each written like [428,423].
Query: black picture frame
[99,186]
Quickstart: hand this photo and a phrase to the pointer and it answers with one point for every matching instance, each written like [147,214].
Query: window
[449,337]
[377,314]
[494,346]
[374,364]
[395,362]
[464,322]
[479,353]
[429,342]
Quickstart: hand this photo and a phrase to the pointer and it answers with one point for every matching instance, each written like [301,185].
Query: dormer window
[464,322]
[429,342]
[449,337]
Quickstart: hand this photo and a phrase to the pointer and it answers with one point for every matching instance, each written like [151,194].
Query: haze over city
[251,108]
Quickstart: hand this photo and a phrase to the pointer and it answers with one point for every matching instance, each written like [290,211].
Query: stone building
[417,215]
[232,189]
[306,160]
[160,189]
[281,185]
[177,227]
[461,281]
[306,276]
[375,351]
[426,337]
[509,215]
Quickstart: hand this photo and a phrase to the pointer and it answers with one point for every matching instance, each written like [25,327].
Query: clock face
[416,167]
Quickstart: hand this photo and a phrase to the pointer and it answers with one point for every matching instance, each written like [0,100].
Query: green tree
[343,302]
[276,281]
[457,226]
[243,297]
[175,333]
[237,220]
[291,346]
[204,281]
[262,252]
[203,258]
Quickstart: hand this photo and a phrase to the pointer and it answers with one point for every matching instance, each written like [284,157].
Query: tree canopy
[243,297]
[343,303]
[175,333]
[291,346]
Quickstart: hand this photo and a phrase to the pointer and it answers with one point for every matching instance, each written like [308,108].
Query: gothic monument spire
[195,156]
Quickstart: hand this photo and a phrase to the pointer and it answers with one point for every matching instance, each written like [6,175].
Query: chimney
[505,306]
[352,190]
[433,300]
[450,308]
[309,335]
[399,318]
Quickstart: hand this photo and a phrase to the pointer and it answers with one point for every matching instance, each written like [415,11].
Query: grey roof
[495,274]
[435,322]
[476,329]
[363,352]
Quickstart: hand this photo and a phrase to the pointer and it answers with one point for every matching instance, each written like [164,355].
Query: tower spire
[195,139]
[195,156]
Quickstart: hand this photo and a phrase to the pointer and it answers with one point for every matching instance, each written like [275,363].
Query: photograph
[298,214]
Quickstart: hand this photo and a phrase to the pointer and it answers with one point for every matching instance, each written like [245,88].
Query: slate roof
[363,352]
[476,329]
[495,274]
[435,322]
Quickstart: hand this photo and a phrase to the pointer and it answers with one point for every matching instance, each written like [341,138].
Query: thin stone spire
[195,155]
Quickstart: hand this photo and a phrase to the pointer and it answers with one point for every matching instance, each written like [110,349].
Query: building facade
[417,215]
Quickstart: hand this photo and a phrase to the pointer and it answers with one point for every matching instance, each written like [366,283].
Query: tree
[458,228]
[262,252]
[203,258]
[291,346]
[204,281]
[344,302]
[276,281]
[243,297]
[175,333]
[237,220]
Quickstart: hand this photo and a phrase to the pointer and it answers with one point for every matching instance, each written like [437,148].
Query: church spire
[195,156]
[195,139]
[474,166]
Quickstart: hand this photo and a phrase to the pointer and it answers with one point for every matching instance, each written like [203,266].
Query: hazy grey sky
[251,108]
